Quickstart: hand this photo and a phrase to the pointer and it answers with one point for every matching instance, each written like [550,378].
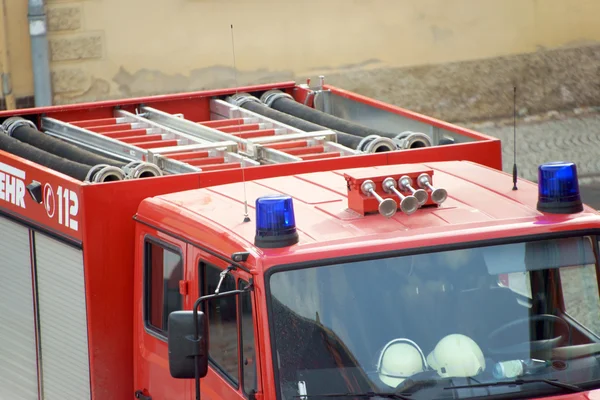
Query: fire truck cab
[344,284]
[278,242]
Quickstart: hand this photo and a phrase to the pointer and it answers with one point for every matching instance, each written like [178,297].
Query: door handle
[140,395]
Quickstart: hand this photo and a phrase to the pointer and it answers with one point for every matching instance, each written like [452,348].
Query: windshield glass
[452,318]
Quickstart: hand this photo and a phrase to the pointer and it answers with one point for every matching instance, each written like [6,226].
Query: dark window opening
[248,347]
[222,324]
[164,270]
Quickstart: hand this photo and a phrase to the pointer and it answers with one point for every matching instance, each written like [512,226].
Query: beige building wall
[103,49]
[14,46]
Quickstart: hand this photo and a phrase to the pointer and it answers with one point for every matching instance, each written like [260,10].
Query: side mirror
[184,350]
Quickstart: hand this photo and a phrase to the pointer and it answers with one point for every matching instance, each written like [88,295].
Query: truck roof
[479,199]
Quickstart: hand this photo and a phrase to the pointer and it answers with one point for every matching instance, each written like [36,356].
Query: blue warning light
[275,222]
[558,188]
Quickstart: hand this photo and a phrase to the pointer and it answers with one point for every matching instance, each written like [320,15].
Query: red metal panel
[205,161]
[216,167]
[256,133]
[239,128]
[141,138]
[188,155]
[123,134]
[109,128]
[319,156]
[154,144]
[222,122]
[287,145]
[61,209]
[95,122]
[304,150]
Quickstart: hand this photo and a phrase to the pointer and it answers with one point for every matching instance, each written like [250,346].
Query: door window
[580,293]
[248,348]
[163,271]
[222,324]
[227,317]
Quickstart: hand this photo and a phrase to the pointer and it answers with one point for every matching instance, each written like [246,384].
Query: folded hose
[368,145]
[283,102]
[82,172]
[26,131]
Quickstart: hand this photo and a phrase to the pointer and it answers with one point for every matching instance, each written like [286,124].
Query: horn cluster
[411,200]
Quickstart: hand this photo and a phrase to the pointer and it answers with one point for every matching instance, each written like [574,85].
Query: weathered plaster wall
[450,58]
[19,52]
[483,89]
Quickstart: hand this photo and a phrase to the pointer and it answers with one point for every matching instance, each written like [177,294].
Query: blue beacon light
[275,222]
[558,188]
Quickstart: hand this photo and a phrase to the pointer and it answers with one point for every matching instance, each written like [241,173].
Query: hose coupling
[12,123]
[239,99]
[412,140]
[141,169]
[104,173]
[376,144]
[270,96]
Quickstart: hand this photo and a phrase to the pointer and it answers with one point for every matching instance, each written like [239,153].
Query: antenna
[246,217]
[515,139]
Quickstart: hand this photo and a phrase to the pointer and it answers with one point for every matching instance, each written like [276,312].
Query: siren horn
[408,204]
[437,195]
[405,183]
[387,207]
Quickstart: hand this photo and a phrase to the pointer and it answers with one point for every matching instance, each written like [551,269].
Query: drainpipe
[39,53]
[5,82]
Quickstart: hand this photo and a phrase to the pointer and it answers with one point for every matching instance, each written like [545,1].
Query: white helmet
[456,356]
[400,359]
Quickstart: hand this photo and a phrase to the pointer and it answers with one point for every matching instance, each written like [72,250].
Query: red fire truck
[286,241]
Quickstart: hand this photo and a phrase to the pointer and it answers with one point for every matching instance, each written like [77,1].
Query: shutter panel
[18,364]
[63,326]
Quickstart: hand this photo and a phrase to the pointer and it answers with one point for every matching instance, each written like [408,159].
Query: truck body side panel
[109,243]
[59,208]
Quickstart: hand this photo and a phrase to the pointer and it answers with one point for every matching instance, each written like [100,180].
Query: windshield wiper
[368,395]
[518,382]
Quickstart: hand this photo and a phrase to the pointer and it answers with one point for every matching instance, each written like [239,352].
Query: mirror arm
[222,276]
[197,304]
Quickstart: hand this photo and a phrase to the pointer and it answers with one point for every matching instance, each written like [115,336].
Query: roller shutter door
[18,356]
[62,315]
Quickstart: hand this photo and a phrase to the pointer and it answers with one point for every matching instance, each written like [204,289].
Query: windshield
[504,312]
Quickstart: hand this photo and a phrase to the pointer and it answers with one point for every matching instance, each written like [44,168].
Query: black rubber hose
[61,148]
[71,168]
[344,139]
[292,107]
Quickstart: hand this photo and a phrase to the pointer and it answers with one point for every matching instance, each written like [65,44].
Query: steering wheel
[533,346]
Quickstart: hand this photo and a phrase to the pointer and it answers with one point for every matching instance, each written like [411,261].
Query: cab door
[160,289]
[233,361]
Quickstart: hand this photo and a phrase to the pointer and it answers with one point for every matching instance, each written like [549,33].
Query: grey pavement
[569,136]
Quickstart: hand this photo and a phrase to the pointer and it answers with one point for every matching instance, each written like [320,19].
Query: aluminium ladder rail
[312,149]
[130,137]
[233,137]
[258,137]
